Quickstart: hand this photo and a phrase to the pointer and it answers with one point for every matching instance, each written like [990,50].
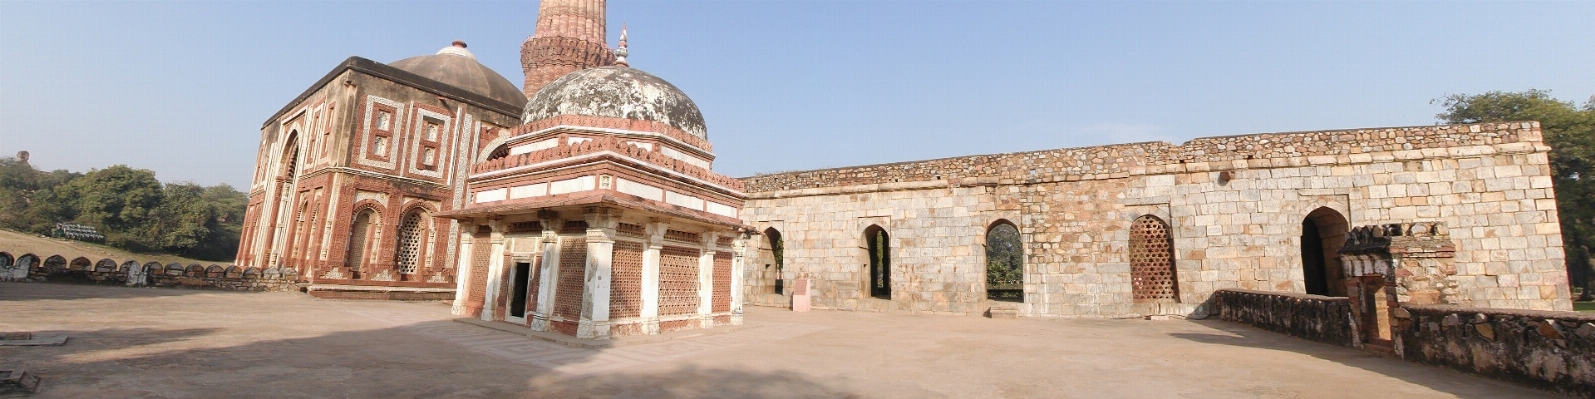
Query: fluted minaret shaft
[569,37]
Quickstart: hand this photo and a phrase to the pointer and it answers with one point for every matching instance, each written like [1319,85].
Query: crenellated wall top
[1197,155]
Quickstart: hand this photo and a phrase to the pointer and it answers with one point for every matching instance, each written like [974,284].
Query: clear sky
[183,87]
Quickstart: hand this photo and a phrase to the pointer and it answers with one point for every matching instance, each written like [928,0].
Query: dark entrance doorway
[776,256]
[1323,232]
[880,262]
[523,276]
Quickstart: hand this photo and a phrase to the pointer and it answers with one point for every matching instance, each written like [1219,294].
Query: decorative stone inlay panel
[678,281]
[572,273]
[721,299]
[625,288]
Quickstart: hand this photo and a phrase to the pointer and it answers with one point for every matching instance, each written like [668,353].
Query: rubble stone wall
[1235,206]
[1318,318]
[1551,350]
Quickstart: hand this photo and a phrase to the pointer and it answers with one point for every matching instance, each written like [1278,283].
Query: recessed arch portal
[1323,232]
[1004,263]
[360,239]
[878,250]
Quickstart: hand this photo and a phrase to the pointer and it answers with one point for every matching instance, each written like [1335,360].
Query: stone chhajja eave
[593,198]
[1198,155]
[611,124]
[364,173]
[604,146]
[608,162]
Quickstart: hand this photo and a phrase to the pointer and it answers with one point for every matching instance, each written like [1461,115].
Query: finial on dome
[621,51]
[457,48]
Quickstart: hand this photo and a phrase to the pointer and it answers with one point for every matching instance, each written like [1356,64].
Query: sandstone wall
[1235,206]
[29,268]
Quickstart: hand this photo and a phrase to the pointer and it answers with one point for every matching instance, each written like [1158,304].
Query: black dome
[616,92]
[456,66]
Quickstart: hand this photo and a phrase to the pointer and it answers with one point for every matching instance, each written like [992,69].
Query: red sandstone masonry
[607,143]
[1121,160]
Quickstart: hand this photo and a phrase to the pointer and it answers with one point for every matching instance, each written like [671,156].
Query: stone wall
[31,268]
[1235,206]
[1318,318]
[1551,350]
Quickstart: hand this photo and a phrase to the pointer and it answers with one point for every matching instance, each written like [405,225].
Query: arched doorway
[359,241]
[1323,232]
[1004,263]
[879,251]
[773,270]
[409,253]
[1152,261]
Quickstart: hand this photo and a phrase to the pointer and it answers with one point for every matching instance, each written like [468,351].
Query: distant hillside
[18,243]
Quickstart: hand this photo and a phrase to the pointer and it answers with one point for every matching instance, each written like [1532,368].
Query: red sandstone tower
[569,37]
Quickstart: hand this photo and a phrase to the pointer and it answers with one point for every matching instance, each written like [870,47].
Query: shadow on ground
[1436,378]
[395,362]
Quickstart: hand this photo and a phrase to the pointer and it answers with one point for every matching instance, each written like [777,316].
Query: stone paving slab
[154,343]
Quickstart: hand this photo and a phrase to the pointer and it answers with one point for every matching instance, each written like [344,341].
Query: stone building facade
[351,173]
[1154,228]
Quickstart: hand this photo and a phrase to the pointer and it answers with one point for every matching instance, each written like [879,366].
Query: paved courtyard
[141,342]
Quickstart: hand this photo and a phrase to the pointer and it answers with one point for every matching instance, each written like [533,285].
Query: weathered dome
[456,66]
[616,92]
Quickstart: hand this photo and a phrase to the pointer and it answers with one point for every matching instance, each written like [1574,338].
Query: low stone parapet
[28,267]
[1552,350]
[1318,318]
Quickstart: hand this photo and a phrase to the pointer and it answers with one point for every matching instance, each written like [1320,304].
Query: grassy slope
[18,243]
[1584,306]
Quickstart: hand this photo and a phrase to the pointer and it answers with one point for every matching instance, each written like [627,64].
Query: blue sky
[183,87]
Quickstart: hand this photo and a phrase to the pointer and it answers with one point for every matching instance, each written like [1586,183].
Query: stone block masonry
[1234,206]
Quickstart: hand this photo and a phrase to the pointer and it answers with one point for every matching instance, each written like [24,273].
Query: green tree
[121,202]
[1570,132]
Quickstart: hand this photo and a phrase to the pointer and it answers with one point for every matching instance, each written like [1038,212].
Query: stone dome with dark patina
[618,92]
[456,66]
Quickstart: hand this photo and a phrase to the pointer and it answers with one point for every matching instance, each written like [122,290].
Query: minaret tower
[569,37]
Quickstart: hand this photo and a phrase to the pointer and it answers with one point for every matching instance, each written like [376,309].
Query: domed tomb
[456,66]
[618,92]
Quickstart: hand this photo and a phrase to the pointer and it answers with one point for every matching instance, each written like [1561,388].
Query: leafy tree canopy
[129,206]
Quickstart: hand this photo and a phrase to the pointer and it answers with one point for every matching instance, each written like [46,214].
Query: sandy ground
[19,243]
[144,342]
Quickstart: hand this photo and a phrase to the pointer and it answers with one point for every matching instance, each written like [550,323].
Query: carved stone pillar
[738,254]
[650,276]
[462,276]
[549,278]
[594,322]
[706,281]
[495,270]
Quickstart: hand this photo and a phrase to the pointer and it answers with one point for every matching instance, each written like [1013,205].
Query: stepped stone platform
[339,291]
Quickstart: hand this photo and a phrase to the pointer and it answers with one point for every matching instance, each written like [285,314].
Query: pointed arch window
[407,255]
[360,239]
[1004,263]
[1152,260]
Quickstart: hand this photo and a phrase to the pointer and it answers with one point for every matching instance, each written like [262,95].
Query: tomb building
[351,173]
[600,215]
